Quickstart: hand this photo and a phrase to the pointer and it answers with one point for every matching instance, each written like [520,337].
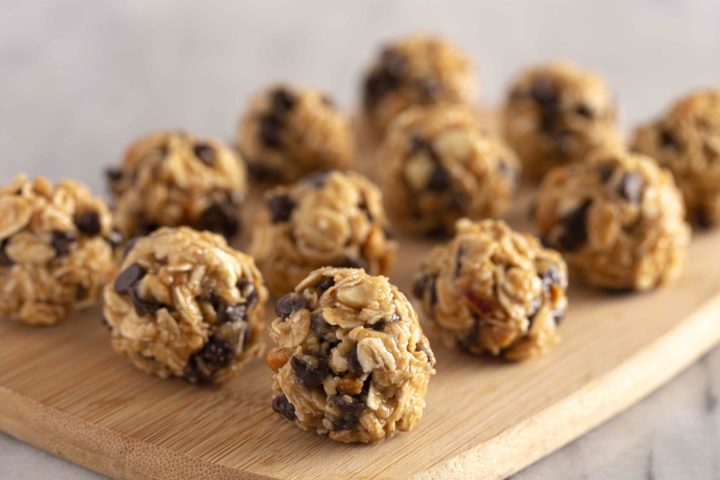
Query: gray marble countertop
[80,79]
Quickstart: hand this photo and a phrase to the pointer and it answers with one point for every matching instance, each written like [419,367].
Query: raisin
[88,222]
[282,405]
[354,365]
[231,313]
[324,284]
[289,303]
[348,404]
[310,376]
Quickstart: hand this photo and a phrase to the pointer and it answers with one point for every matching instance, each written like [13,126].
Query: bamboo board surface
[64,390]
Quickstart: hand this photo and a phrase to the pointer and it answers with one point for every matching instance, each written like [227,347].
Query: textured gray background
[79,79]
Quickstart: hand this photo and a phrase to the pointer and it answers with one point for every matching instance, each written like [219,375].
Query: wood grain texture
[64,390]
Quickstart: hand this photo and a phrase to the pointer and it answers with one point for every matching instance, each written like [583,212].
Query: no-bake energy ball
[617,218]
[185,304]
[556,114]
[57,249]
[352,361]
[441,166]
[327,219]
[492,290]
[687,141]
[418,70]
[288,132]
[173,179]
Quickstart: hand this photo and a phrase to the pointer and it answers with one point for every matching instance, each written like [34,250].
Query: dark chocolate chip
[289,303]
[62,242]
[311,376]
[205,152]
[437,232]
[281,207]
[81,293]
[113,175]
[271,128]
[88,222]
[419,286]
[379,325]
[204,364]
[702,217]
[584,111]
[104,322]
[5,260]
[142,305]
[354,365]
[318,323]
[130,245]
[318,179]
[574,233]
[128,278]
[221,218]
[631,187]
[345,422]
[377,85]
[394,63]
[348,404]
[668,140]
[282,101]
[543,92]
[458,259]
[354,262]
[324,284]
[430,88]
[439,180]
[282,405]
[263,173]
[418,144]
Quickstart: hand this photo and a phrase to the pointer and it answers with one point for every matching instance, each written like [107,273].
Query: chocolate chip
[281,207]
[282,101]
[217,352]
[419,286]
[289,303]
[354,262]
[668,140]
[631,187]
[130,245]
[574,233]
[88,222]
[128,278]
[205,152]
[605,171]
[584,111]
[439,180]
[311,376]
[5,260]
[702,217]
[113,175]
[377,85]
[324,284]
[282,405]
[354,365]
[62,242]
[543,92]
[418,144]
[318,323]
[147,227]
[221,218]
[144,306]
[437,232]
[271,131]
[104,322]
[430,88]
[348,404]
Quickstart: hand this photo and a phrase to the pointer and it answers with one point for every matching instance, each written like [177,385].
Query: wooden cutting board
[65,391]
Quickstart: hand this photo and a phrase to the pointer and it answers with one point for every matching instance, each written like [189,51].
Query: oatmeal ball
[556,114]
[57,249]
[441,166]
[352,361]
[288,132]
[687,141]
[617,218]
[418,70]
[492,290]
[173,179]
[186,305]
[327,219]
